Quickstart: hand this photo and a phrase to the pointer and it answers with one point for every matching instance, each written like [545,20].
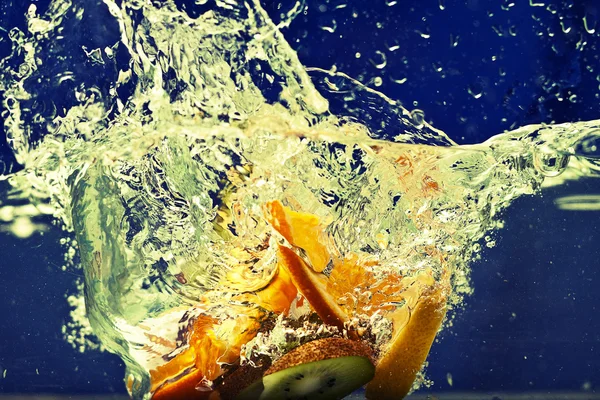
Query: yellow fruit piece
[300,230]
[313,287]
[398,367]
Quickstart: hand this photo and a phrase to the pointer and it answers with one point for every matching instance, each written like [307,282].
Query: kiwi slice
[324,369]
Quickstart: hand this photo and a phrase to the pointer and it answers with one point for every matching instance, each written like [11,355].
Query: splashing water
[162,165]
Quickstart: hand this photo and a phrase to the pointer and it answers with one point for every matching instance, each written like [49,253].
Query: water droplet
[589,23]
[565,26]
[548,162]
[377,81]
[424,34]
[391,3]
[442,5]
[507,5]
[475,90]
[573,98]
[393,47]
[331,28]
[399,79]
[454,40]
[498,29]
[381,61]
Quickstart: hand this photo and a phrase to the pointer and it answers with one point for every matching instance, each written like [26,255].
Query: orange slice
[211,344]
[278,296]
[182,389]
[313,287]
[301,230]
[358,291]
[398,368]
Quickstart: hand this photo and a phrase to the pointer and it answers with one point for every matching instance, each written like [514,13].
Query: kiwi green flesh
[329,379]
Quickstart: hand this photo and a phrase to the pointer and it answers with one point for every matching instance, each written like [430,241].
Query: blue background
[532,324]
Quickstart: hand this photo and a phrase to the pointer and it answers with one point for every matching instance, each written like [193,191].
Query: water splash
[162,163]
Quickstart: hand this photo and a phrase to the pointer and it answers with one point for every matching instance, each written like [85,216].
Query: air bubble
[550,163]
[418,117]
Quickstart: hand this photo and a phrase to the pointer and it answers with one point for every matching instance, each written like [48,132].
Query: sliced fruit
[357,289]
[324,369]
[398,367]
[183,388]
[313,287]
[277,296]
[301,230]
[211,344]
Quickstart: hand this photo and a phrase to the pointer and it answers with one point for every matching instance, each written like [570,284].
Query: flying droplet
[475,90]
[399,80]
[565,25]
[454,40]
[589,24]
[381,62]
[331,28]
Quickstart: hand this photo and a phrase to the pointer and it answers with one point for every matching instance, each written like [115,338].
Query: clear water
[162,167]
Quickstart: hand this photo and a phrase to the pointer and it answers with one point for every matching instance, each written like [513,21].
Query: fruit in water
[415,325]
[241,377]
[324,369]
[403,359]
[301,230]
[313,287]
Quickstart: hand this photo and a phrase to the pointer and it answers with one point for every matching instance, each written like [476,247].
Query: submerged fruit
[403,359]
[313,287]
[333,297]
[324,369]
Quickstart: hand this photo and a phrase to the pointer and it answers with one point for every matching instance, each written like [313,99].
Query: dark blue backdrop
[476,68]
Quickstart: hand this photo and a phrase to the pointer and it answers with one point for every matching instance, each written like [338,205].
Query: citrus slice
[182,389]
[277,296]
[313,287]
[301,230]
[399,365]
[212,343]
